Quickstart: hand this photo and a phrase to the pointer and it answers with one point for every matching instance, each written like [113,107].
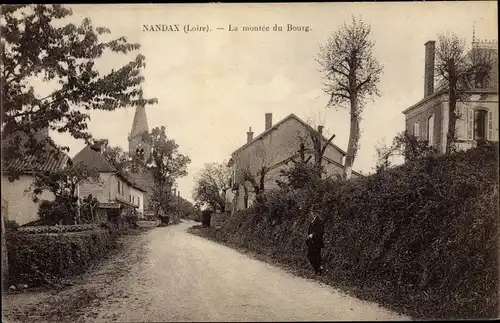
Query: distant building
[16,199]
[428,119]
[274,149]
[139,146]
[115,187]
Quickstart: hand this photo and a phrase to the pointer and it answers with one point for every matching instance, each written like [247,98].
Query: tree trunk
[5,262]
[352,147]
[245,197]
[452,119]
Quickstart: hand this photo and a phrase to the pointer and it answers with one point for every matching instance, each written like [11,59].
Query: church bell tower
[137,143]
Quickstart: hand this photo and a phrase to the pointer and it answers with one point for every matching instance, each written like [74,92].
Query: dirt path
[170,275]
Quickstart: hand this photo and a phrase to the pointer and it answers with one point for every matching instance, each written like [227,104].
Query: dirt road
[171,275]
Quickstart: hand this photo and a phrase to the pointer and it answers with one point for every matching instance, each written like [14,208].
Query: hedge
[57,228]
[421,238]
[37,259]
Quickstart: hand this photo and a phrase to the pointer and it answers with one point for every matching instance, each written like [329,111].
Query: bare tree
[459,70]
[352,75]
[212,184]
[257,166]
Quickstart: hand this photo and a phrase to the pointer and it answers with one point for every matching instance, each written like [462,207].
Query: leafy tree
[211,186]
[117,157]
[459,70]
[406,145]
[166,164]
[352,75]
[35,45]
[63,185]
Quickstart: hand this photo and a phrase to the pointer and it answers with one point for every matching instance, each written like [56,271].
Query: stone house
[274,150]
[428,118]
[16,199]
[114,187]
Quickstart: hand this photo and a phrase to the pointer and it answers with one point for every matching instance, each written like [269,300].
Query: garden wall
[421,238]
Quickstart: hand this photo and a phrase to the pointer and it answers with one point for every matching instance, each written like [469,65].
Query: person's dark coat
[317,229]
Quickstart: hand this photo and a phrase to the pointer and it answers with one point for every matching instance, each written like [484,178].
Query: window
[138,201]
[130,198]
[119,187]
[416,129]
[430,130]
[133,199]
[480,122]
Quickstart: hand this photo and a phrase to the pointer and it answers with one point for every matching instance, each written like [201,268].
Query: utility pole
[179,205]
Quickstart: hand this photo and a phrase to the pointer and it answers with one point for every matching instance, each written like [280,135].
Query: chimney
[430,47]
[320,130]
[269,121]
[249,135]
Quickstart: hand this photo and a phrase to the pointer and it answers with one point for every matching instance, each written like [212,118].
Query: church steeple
[136,143]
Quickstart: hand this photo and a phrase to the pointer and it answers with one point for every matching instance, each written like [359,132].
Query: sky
[212,86]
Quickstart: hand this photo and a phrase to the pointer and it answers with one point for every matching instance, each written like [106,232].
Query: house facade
[274,150]
[114,187]
[16,196]
[428,119]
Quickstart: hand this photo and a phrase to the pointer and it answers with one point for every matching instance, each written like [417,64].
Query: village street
[171,275]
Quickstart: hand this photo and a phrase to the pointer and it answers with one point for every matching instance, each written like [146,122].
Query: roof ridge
[273,127]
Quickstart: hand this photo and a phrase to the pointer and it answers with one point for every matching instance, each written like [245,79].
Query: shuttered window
[470,124]
[490,125]
[480,124]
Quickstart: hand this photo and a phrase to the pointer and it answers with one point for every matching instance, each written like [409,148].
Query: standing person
[315,240]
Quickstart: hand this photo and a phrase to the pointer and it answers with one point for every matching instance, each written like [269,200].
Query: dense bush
[11,225]
[37,259]
[421,238]
[205,217]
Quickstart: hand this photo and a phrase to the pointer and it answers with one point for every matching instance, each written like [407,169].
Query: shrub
[205,217]
[59,211]
[37,259]
[420,238]
[11,225]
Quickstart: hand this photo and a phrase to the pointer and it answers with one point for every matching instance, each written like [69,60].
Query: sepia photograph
[250,162]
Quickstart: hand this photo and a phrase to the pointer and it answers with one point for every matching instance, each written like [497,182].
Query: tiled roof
[109,205]
[50,161]
[93,159]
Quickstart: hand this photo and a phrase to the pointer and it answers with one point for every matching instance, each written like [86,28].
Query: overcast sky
[212,86]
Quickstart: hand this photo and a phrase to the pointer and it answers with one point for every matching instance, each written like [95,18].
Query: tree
[166,164]
[63,185]
[459,70]
[405,145]
[35,45]
[352,75]
[211,186]
[115,155]
[256,167]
